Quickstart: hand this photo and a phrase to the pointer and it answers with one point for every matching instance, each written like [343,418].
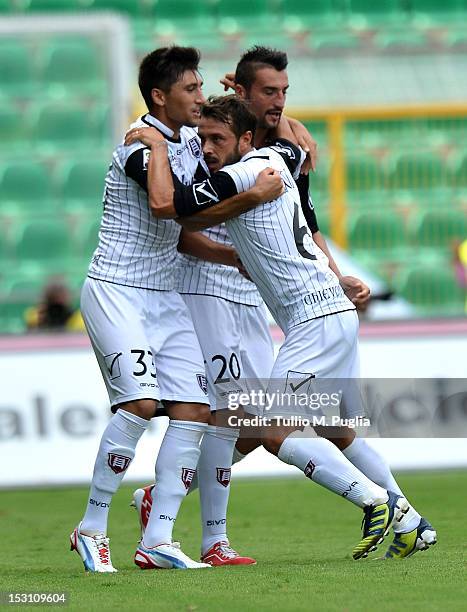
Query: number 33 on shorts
[137,363]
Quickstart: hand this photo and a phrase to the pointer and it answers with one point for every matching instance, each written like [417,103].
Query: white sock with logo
[323,462]
[373,465]
[214,470]
[175,468]
[236,457]
[116,451]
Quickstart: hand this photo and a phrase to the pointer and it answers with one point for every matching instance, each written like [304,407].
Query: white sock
[214,470]
[175,469]
[375,467]
[323,462]
[237,456]
[116,451]
[372,464]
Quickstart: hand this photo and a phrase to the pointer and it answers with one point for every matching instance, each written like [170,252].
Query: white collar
[159,125]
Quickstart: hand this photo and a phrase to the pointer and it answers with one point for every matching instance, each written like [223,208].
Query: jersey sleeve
[245,173]
[292,155]
[190,199]
[136,167]
[303,185]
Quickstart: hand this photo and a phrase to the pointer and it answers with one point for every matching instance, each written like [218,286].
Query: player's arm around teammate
[204,211]
[200,246]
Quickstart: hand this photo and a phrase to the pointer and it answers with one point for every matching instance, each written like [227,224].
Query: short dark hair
[255,58]
[232,111]
[163,67]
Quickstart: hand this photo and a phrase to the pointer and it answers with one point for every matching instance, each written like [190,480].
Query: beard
[233,158]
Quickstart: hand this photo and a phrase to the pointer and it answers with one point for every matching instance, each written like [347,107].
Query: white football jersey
[198,277]
[292,274]
[136,249]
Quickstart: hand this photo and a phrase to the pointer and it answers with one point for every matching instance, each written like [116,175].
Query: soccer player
[308,303]
[227,311]
[261,79]
[139,326]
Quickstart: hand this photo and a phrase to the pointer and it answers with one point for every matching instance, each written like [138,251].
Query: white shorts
[145,343]
[324,348]
[236,344]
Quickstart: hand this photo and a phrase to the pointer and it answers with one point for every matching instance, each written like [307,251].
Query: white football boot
[93,550]
[165,556]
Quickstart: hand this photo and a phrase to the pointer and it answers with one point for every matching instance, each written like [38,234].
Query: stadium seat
[89,236]
[5,6]
[242,8]
[5,249]
[318,129]
[431,286]
[55,5]
[458,170]
[13,129]
[364,172]
[250,15]
[17,69]
[324,219]
[439,228]
[62,126]
[12,316]
[370,7]
[82,184]
[376,231]
[435,6]
[134,8]
[144,36]
[207,42]
[319,180]
[26,189]
[456,40]
[360,137]
[304,15]
[73,67]
[364,14]
[418,170]
[44,241]
[75,280]
[333,41]
[23,294]
[185,12]
[392,41]
[26,291]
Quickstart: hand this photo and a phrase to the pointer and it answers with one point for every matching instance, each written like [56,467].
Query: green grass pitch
[301,535]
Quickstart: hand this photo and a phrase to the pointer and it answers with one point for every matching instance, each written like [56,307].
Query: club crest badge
[223,476]
[203,383]
[309,469]
[195,147]
[118,463]
[187,477]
